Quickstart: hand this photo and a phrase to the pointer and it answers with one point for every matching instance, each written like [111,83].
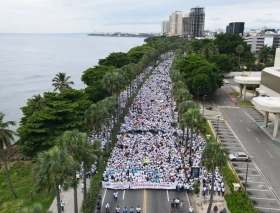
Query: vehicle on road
[225,81]
[238,156]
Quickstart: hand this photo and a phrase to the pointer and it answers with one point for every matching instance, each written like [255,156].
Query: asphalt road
[150,201]
[265,153]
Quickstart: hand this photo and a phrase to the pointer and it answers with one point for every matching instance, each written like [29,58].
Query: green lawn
[245,103]
[21,174]
[234,94]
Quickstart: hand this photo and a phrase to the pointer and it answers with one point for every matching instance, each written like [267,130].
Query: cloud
[49,16]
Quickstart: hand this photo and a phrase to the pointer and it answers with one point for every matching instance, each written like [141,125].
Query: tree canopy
[116,59]
[93,78]
[62,112]
[136,53]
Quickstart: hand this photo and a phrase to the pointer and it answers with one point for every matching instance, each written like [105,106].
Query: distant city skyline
[133,16]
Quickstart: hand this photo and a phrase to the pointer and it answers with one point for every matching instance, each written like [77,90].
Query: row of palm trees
[189,116]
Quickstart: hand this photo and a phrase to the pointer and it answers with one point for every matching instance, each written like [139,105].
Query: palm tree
[182,95]
[37,103]
[95,116]
[109,104]
[239,50]
[179,85]
[61,82]
[80,148]
[184,107]
[53,168]
[130,73]
[6,139]
[214,155]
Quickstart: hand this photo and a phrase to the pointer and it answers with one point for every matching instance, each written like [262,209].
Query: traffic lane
[125,198]
[258,144]
[220,98]
[134,198]
[159,201]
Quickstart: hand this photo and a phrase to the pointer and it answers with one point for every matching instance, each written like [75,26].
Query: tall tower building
[165,27]
[176,23]
[186,26]
[236,28]
[196,22]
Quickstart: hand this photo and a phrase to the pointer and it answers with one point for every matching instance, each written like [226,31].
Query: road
[265,153]
[150,201]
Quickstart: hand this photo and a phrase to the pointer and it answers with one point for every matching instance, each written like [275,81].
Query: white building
[258,41]
[176,23]
[165,27]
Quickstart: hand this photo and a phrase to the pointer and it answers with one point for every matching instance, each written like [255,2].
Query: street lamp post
[249,159]
[203,104]
[217,128]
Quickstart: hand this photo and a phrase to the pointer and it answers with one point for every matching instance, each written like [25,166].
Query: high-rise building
[195,22]
[236,28]
[165,27]
[186,26]
[176,23]
[257,42]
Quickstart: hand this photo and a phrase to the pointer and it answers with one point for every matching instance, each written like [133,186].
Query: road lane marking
[167,195]
[258,140]
[234,113]
[241,121]
[188,199]
[104,196]
[269,154]
[145,202]
[252,181]
[225,102]
[241,174]
[257,207]
[123,194]
[248,129]
[263,198]
[261,190]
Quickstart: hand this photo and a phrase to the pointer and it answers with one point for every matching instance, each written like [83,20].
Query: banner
[115,185]
[152,186]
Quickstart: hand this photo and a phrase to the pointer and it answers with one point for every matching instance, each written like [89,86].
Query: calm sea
[28,63]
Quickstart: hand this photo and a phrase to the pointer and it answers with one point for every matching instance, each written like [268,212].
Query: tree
[136,53]
[239,50]
[130,72]
[53,168]
[116,59]
[93,78]
[63,111]
[182,95]
[61,82]
[184,107]
[6,139]
[80,148]
[224,62]
[214,155]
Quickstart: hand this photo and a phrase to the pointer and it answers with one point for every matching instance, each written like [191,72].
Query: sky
[85,16]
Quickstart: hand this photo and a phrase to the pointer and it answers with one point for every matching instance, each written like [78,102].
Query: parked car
[225,81]
[236,156]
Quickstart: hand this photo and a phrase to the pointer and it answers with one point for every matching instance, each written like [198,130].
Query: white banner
[152,186]
[115,185]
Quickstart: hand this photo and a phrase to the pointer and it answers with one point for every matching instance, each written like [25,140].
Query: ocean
[29,62]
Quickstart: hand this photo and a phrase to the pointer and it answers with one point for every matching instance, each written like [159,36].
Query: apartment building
[258,41]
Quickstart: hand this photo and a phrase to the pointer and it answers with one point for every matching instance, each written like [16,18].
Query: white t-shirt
[138,209]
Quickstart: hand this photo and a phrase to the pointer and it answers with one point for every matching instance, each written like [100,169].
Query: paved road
[150,201]
[265,153]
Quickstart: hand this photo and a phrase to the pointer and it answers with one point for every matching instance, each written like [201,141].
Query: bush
[229,177]
[240,202]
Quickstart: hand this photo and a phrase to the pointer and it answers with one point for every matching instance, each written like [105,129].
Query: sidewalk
[218,201]
[68,198]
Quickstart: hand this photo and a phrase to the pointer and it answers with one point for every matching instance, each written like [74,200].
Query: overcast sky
[79,16]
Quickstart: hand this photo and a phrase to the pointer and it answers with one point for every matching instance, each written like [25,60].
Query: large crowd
[149,147]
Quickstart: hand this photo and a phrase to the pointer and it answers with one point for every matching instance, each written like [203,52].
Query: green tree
[214,155]
[239,50]
[265,54]
[6,139]
[224,62]
[61,82]
[93,78]
[80,148]
[130,72]
[54,168]
[182,95]
[116,59]
[136,53]
[63,111]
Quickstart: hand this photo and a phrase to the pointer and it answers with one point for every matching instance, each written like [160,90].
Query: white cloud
[49,16]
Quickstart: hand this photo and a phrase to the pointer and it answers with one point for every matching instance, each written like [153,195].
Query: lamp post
[203,104]
[249,159]
[217,128]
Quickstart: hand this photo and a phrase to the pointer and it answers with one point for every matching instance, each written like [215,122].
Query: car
[242,156]
[225,81]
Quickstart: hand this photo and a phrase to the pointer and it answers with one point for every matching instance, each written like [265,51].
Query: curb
[232,100]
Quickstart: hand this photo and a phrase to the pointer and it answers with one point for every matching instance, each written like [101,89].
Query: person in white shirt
[62,204]
[191,209]
[83,187]
[177,201]
[115,196]
[118,209]
[138,209]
